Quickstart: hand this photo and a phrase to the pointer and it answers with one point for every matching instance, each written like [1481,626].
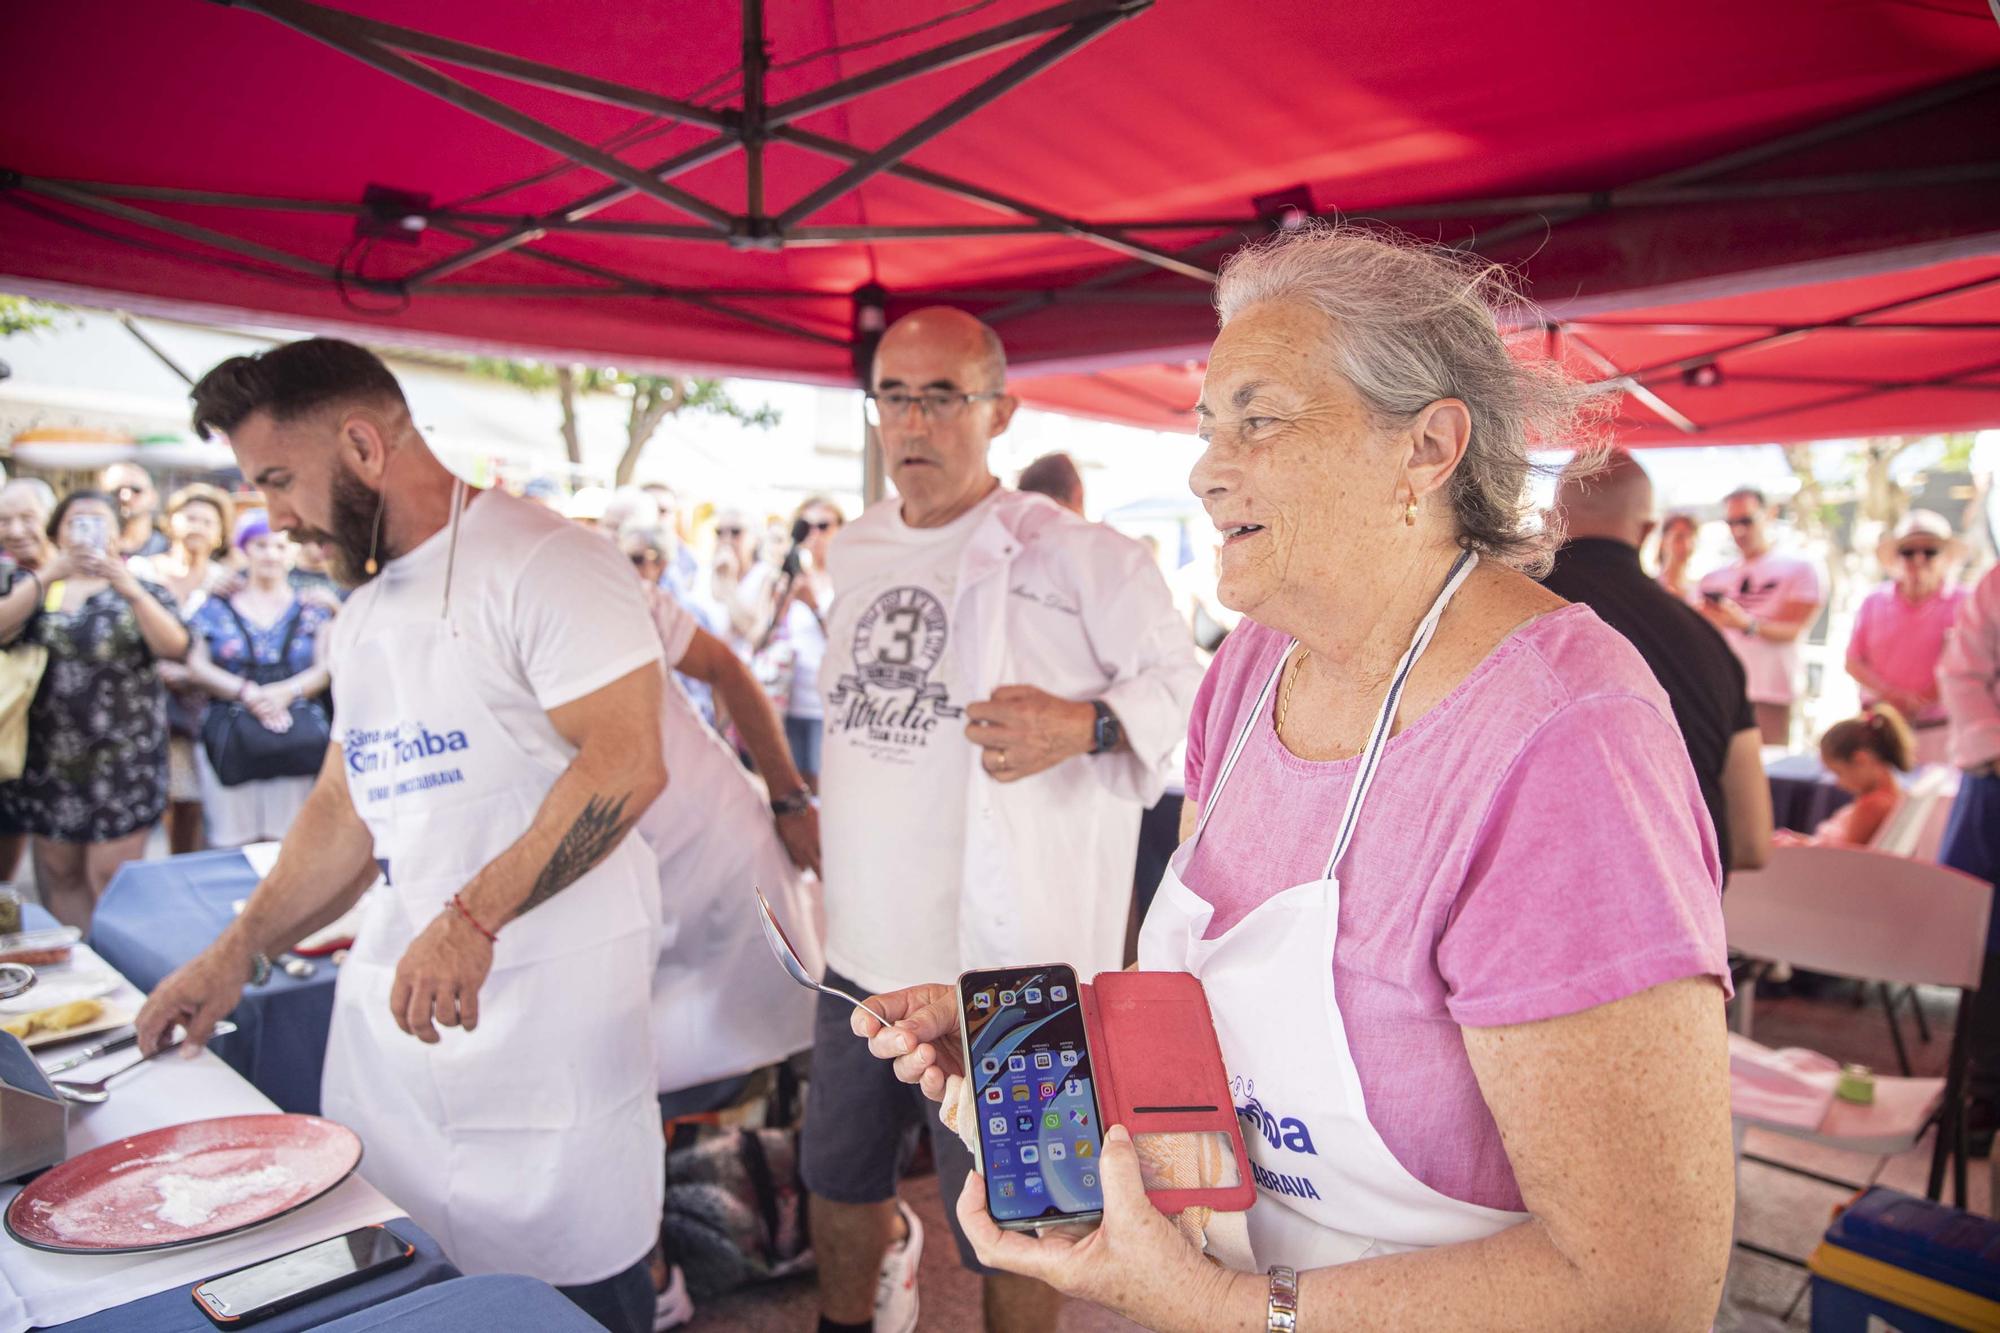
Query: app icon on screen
[1034,1184]
[1020,1092]
[1048,1091]
[993,1096]
[1069,1058]
[1079,1116]
[1032,995]
[997,1126]
[1058,994]
[1043,1060]
[1006,1189]
[1030,1154]
[1050,1120]
[1072,1087]
[1017,1063]
[1089,1181]
[989,1064]
[1084,1148]
[1057,1152]
[1006,997]
[982,1001]
[1024,1123]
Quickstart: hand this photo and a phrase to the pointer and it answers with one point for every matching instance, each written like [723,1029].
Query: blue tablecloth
[159,914]
[174,1311]
[473,1305]
[1802,792]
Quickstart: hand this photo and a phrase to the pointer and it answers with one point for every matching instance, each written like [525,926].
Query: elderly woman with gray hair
[1449,884]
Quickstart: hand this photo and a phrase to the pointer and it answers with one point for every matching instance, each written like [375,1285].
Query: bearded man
[490,1037]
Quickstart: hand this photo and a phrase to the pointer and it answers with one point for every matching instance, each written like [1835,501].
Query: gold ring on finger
[1002,764]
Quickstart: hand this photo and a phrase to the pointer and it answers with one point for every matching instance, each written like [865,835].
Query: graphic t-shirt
[1762,587]
[896,760]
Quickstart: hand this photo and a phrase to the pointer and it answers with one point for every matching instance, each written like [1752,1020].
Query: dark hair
[1747,493]
[290,382]
[76,497]
[1053,475]
[1880,730]
[1679,518]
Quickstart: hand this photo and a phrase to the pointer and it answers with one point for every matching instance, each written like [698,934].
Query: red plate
[183,1184]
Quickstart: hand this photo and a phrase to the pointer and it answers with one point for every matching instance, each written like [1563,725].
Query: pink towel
[1779,1087]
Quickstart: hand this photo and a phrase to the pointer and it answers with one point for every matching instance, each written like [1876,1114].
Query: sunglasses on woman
[828,526]
[1917,552]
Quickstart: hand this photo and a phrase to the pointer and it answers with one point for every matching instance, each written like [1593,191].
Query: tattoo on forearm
[597,830]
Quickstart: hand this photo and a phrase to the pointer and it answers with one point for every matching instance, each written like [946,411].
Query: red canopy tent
[1769,188]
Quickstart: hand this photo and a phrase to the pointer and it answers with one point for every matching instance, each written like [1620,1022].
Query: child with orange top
[1864,754]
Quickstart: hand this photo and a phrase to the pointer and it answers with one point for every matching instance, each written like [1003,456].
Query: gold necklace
[1291,683]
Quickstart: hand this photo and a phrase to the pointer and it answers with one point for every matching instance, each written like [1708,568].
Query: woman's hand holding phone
[923,1040]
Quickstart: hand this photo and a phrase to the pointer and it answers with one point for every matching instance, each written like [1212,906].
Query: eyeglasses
[640,559]
[934,404]
[728,532]
[827,526]
[1742,522]
[1918,552]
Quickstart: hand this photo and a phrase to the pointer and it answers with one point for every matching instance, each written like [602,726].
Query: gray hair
[1414,323]
[43,495]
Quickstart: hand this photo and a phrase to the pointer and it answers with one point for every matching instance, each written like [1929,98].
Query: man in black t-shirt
[1608,515]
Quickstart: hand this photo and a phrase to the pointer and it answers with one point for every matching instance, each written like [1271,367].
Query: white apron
[531,1145]
[1329,1188]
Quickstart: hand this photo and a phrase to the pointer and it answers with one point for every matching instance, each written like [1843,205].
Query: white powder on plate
[189,1201]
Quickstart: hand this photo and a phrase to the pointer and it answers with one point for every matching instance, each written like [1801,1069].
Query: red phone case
[1159,1071]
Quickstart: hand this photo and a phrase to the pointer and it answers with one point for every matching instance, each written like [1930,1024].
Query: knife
[118,1043]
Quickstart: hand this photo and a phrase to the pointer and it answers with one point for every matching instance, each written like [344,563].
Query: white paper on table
[1792,1086]
[38,1288]
[261,856]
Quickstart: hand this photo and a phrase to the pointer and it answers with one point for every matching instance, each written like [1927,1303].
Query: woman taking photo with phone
[1449,886]
[95,782]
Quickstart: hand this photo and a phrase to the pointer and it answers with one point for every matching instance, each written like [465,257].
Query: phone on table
[276,1285]
[1028,1059]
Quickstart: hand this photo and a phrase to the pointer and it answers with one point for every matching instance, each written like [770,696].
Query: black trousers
[623,1304]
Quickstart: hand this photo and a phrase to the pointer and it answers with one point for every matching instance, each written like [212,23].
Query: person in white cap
[1899,632]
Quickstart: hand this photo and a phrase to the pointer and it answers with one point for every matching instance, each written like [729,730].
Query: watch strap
[1282,1315]
[1106,730]
[793,802]
[260,968]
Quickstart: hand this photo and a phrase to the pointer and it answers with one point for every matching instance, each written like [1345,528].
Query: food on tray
[40,948]
[61,1018]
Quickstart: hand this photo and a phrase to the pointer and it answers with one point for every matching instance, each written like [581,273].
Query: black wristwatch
[793,803]
[1107,731]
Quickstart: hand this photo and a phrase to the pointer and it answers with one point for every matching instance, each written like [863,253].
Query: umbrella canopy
[641,184]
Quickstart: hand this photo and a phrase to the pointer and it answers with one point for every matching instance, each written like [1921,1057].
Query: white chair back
[1930,838]
[1861,914]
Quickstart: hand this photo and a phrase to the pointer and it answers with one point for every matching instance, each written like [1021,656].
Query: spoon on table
[89,1092]
[774,935]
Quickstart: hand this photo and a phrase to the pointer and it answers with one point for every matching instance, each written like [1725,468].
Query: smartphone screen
[1029,1062]
[292,1279]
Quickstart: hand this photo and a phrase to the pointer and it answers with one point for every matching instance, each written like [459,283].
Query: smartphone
[1028,1058]
[247,1295]
[92,530]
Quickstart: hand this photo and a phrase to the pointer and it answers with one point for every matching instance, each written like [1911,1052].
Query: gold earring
[1410,511]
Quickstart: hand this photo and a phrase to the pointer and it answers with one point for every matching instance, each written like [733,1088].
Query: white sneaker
[896,1288]
[673,1307]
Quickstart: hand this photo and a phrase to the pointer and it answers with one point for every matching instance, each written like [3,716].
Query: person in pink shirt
[1899,630]
[1969,680]
[1450,887]
[1763,604]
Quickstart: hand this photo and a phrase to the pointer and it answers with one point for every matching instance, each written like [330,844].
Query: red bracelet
[461,909]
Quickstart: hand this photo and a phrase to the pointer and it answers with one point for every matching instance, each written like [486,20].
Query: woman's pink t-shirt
[1533,846]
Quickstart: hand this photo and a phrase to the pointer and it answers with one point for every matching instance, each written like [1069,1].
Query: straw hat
[1922,523]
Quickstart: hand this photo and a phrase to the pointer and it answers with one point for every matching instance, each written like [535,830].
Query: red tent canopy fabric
[573,185]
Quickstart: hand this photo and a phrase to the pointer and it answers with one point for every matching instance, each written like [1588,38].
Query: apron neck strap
[1242,735]
[451,546]
[1385,720]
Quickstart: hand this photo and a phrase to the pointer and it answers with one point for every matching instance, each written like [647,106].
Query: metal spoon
[774,935]
[89,1092]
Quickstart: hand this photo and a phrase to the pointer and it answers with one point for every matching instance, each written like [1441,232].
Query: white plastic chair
[1873,917]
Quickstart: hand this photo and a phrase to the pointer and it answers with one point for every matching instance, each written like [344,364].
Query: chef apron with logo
[1329,1188]
[532,1144]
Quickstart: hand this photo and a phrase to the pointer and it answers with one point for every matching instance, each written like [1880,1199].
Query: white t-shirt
[808,639]
[553,611]
[895,762]
[1762,587]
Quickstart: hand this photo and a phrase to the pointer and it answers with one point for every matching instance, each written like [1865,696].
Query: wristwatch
[1106,731]
[260,968]
[792,803]
[1282,1315]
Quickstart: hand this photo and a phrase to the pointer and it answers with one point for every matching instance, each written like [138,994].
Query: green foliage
[21,314]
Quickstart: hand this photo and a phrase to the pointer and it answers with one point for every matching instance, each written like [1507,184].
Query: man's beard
[349,542]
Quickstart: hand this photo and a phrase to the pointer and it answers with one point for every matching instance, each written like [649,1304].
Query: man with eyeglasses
[1900,629]
[1004,685]
[138,509]
[1763,603]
